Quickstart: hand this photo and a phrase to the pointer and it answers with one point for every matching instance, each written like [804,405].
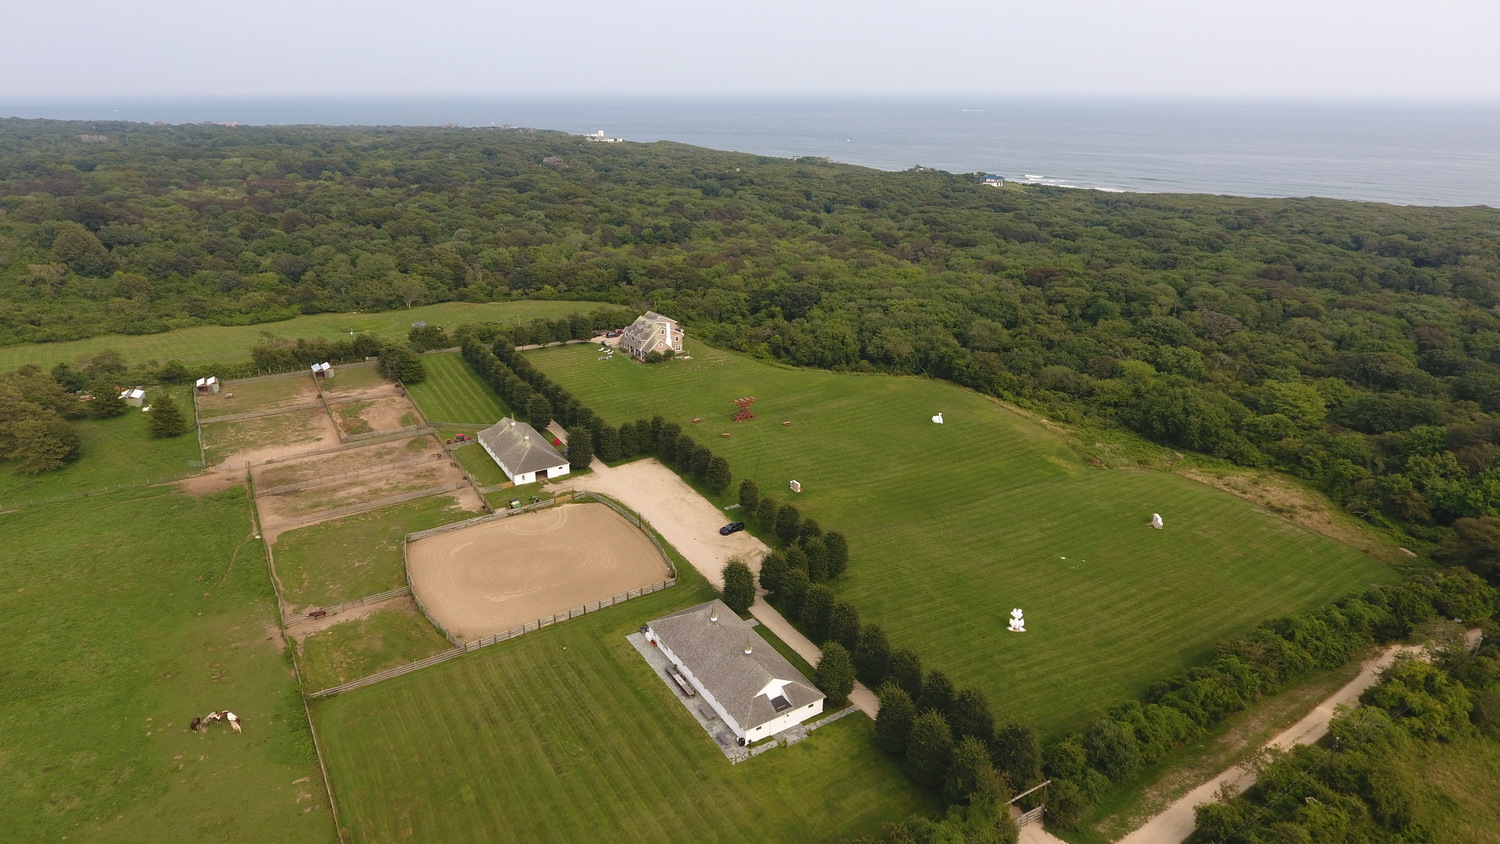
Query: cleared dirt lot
[360,489]
[498,575]
[250,441]
[246,396]
[342,462]
[389,413]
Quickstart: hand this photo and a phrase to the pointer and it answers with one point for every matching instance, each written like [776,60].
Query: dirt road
[1176,823]
[691,524]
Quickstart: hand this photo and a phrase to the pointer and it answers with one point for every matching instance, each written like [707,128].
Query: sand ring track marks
[499,575]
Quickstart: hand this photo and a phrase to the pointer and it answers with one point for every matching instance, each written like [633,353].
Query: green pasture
[351,377]
[951,526]
[346,559]
[116,452]
[479,464]
[453,393]
[246,396]
[231,343]
[125,616]
[1455,803]
[567,735]
[394,635]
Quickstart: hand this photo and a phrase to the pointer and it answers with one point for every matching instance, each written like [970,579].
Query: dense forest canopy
[1356,345]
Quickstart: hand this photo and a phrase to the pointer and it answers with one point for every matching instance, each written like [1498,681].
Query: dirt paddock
[498,575]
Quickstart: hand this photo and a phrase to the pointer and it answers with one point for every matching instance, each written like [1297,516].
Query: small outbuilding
[652,332]
[323,370]
[135,397]
[750,686]
[524,455]
[207,385]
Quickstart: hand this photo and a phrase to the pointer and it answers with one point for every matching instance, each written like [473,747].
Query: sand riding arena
[497,575]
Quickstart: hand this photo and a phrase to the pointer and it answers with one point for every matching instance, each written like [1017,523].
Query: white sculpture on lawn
[1156,520]
[938,418]
[1017,623]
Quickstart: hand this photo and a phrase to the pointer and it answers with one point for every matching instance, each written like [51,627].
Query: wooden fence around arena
[461,647]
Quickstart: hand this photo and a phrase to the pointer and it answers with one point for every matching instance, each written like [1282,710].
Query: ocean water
[1408,154]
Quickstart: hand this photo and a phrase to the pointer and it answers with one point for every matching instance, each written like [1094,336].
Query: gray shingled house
[652,332]
[753,688]
[523,454]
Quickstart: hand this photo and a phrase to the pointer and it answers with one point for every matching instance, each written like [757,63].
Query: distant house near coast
[652,332]
[993,181]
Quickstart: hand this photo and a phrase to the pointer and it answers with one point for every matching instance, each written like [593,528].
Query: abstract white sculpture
[1156,520]
[938,418]
[1017,623]
[796,486]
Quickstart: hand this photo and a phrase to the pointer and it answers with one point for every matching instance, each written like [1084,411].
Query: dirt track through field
[499,575]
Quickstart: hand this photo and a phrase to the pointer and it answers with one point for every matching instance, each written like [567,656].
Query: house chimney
[713,615]
[747,646]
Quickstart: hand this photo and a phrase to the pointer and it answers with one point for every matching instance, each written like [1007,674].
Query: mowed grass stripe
[567,735]
[452,392]
[950,526]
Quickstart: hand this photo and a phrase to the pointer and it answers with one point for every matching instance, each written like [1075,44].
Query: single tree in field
[969,770]
[788,520]
[40,444]
[872,659]
[716,477]
[893,724]
[835,674]
[166,418]
[766,511]
[772,571]
[816,605]
[938,693]
[906,670]
[843,624]
[836,551]
[539,412]
[106,403]
[580,447]
[749,496]
[739,585]
[929,748]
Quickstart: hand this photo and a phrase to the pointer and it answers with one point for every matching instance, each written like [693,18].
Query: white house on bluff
[652,333]
[523,454]
[753,688]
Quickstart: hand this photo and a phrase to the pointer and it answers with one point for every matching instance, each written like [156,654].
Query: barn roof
[519,448]
[711,640]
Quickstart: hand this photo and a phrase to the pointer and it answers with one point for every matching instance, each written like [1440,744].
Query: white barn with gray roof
[751,687]
[524,455]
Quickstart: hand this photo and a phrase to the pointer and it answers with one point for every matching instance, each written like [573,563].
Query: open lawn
[346,559]
[268,394]
[567,735]
[395,634]
[126,616]
[353,378]
[231,343]
[480,465]
[950,526]
[1455,803]
[116,452]
[453,393]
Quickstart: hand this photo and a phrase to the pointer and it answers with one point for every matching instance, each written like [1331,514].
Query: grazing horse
[210,718]
[194,724]
[234,720]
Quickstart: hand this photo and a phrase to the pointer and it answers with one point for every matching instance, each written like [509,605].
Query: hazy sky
[1441,49]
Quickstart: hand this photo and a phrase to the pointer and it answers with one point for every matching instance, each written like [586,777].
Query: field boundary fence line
[343,476]
[348,605]
[256,414]
[343,446]
[288,373]
[462,647]
[405,430]
[351,509]
[560,617]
